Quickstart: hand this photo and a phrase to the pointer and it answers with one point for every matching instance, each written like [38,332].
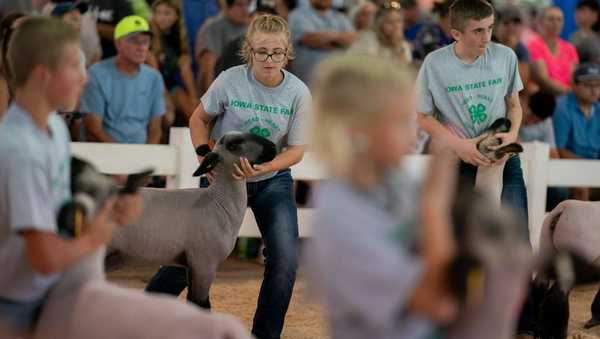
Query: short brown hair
[462,11]
[266,23]
[38,41]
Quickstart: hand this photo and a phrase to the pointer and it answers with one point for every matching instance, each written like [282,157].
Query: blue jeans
[514,194]
[272,202]
[20,316]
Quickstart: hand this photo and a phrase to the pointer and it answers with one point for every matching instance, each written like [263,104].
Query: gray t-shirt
[34,183]
[362,266]
[468,98]
[216,33]
[243,104]
[307,20]
[542,131]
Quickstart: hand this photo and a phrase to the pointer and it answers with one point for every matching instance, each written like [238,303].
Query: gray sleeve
[215,98]
[424,95]
[375,284]
[297,134]
[213,41]
[345,24]
[209,39]
[158,97]
[298,26]
[29,194]
[549,133]
[514,78]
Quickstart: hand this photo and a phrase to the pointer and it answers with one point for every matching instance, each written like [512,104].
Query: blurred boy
[35,172]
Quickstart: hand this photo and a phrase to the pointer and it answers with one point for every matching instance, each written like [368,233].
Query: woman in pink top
[553,59]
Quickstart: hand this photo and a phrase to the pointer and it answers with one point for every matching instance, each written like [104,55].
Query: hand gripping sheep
[489,179]
[196,228]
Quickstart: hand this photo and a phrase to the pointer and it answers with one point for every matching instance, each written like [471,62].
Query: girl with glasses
[259,97]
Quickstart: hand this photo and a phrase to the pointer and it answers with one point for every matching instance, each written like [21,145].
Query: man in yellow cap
[123,100]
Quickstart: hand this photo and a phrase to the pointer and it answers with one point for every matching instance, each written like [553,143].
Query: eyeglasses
[276,56]
[392,5]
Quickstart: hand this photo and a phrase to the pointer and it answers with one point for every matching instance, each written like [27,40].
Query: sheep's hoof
[592,323]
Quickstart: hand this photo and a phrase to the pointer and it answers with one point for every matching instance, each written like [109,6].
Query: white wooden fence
[178,161]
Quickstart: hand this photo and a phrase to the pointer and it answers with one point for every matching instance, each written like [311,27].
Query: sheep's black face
[501,125]
[253,147]
[234,145]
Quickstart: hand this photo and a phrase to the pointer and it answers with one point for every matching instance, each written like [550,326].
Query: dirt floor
[238,281]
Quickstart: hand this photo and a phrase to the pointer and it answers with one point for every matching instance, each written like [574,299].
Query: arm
[4,95]
[95,132]
[154,130]
[431,296]
[49,253]
[319,40]
[291,156]
[207,62]
[465,149]
[539,73]
[185,65]
[199,126]
[514,112]
[345,39]
[524,72]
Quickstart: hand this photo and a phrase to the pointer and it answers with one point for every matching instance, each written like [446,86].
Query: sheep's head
[488,238]
[234,145]
[501,125]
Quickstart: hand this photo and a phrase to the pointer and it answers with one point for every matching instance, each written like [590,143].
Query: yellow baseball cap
[130,25]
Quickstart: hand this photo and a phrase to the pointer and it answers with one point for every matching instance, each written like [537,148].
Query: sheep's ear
[208,164]
[501,125]
[263,149]
[513,148]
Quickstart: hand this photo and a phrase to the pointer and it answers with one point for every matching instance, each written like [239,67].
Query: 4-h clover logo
[261,132]
[478,114]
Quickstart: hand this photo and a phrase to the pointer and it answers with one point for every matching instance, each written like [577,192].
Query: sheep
[569,226]
[84,305]
[196,228]
[494,264]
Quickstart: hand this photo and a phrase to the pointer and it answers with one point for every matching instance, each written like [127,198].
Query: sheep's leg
[489,181]
[554,313]
[199,285]
[595,308]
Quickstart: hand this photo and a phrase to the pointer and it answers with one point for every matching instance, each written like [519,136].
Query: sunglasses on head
[392,5]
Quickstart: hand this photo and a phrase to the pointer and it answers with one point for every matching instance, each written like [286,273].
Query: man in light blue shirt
[124,99]
[317,32]
[577,120]
[577,116]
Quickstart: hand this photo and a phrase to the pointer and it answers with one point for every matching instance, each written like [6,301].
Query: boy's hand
[128,208]
[101,227]
[507,139]
[466,150]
